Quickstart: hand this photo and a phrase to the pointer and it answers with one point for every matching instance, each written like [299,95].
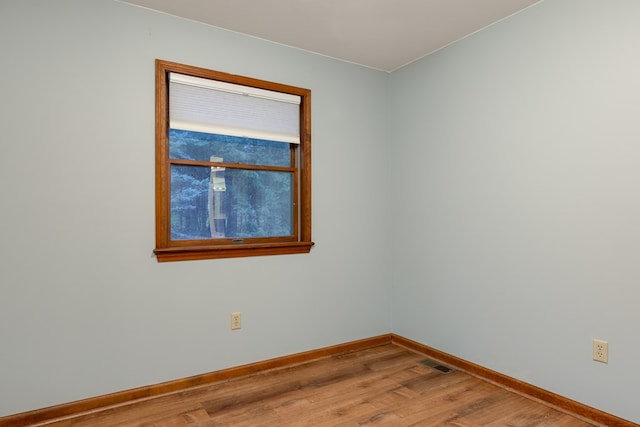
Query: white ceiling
[381,34]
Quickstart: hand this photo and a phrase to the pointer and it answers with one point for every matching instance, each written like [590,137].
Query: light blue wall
[84,308]
[516,177]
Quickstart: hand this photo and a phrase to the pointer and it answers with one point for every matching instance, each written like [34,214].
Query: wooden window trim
[168,250]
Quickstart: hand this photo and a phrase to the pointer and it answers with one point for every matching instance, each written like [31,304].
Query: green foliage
[255,203]
[201,146]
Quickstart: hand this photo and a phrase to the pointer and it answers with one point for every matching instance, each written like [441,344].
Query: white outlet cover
[600,351]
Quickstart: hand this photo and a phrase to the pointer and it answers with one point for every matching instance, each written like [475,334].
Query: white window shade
[211,106]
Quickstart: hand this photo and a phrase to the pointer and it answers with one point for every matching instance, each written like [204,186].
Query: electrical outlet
[236,320]
[600,351]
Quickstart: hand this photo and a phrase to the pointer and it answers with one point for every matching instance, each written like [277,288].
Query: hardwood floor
[384,385]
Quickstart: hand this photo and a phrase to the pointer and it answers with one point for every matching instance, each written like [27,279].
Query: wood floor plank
[180,420]
[431,406]
[383,385]
[528,416]
[483,415]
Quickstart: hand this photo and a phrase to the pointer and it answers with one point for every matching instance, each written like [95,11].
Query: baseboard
[537,393]
[123,397]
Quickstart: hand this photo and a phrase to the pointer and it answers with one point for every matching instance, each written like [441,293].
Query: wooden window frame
[182,250]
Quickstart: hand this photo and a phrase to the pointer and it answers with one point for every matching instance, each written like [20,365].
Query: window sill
[231,251]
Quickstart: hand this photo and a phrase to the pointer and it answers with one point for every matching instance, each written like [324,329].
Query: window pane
[191,145]
[218,203]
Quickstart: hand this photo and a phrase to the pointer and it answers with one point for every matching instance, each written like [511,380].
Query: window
[233,165]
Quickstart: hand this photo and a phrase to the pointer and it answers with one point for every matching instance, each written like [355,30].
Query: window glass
[201,146]
[215,203]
